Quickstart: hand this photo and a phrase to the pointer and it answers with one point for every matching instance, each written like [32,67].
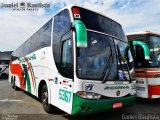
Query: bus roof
[142,33]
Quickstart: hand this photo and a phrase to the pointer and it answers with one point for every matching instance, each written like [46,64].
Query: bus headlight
[88,95]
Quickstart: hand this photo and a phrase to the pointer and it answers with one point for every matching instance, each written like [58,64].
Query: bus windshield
[100,58]
[153,43]
[98,22]
[125,59]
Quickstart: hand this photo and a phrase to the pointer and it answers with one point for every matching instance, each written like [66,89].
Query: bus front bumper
[85,106]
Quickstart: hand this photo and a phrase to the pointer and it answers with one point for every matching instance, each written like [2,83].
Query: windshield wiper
[120,61]
[107,67]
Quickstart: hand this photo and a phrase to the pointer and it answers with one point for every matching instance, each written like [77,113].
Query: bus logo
[89,87]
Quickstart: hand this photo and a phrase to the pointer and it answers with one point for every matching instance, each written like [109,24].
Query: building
[4,63]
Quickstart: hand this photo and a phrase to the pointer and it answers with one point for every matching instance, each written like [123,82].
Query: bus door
[66,73]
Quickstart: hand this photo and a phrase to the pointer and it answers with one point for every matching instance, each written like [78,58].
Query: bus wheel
[4,76]
[44,97]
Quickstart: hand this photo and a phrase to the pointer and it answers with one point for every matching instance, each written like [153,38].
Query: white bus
[79,62]
[147,71]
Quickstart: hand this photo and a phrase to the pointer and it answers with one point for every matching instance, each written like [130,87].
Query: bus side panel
[40,68]
[31,69]
[16,74]
[62,92]
[142,87]
[21,75]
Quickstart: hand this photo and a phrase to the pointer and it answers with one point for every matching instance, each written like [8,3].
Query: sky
[133,15]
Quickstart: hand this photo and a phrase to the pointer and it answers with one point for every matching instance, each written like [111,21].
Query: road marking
[11,100]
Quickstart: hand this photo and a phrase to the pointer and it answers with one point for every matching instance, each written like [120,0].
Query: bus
[79,61]
[147,71]
[4,69]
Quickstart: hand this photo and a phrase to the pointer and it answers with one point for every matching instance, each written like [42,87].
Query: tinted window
[40,39]
[153,43]
[93,60]
[26,48]
[124,55]
[66,54]
[136,37]
[66,59]
[61,26]
[34,42]
[19,52]
[45,36]
[101,23]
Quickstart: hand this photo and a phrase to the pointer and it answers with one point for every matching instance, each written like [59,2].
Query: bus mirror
[145,48]
[81,33]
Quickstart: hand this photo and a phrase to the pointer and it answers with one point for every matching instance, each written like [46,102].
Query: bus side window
[45,35]
[61,25]
[66,66]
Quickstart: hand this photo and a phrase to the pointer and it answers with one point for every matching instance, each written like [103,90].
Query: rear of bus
[147,72]
[103,65]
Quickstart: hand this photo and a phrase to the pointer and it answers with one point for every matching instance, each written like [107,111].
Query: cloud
[133,15]
[138,15]
[16,27]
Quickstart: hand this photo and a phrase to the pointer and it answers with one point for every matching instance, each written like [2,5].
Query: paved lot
[20,105]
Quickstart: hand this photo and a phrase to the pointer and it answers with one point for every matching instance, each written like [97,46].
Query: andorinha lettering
[116,87]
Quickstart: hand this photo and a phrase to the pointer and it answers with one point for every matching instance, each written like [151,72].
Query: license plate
[117,105]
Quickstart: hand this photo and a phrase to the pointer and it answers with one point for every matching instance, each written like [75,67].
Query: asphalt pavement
[19,105]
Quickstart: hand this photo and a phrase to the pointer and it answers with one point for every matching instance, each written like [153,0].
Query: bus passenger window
[61,26]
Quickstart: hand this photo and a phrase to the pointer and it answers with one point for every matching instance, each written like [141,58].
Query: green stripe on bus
[82,106]
[27,77]
[33,75]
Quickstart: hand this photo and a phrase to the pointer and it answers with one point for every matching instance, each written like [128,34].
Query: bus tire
[4,76]
[44,98]
[13,84]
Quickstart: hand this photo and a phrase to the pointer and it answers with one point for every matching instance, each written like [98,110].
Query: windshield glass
[153,43]
[125,59]
[98,22]
[99,59]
